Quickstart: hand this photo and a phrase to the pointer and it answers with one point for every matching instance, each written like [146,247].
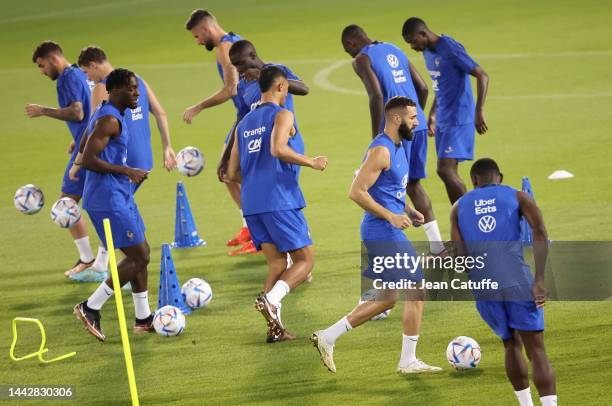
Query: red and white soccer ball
[29,199]
[190,161]
[197,293]
[65,212]
[169,321]
[463,353]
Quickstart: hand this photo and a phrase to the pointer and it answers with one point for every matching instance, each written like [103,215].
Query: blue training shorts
[418,155]
[71,187]
[127,226]
[505,317]
[456,142]
[286,229]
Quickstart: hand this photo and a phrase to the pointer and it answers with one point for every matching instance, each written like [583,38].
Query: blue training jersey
[72,87]
[449,67]
[489,222]
[231,38]
[392,69]
[268,184]
[389,190]
[108,191]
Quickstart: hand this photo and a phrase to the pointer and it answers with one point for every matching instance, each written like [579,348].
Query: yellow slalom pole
[120,312]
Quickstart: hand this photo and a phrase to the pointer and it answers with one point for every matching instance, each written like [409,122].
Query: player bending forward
[379,188]
[488,219]
[265,164]
[109,194]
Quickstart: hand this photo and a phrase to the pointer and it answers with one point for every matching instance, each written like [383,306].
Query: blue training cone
[526,236]
[169,287]
[185,233]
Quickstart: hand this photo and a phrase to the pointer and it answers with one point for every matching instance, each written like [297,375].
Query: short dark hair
[484,166]
[352,31]
[91,54]
[196,16]
[240,46]
[268,76]
[119,77]
[412,25]
[45,49]
[399,101]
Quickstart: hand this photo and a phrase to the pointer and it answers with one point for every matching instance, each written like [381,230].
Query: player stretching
[379,188]
[109,193]
[452,117]
[94,63]
[386,73]
[488,218]
[73,96]
[263,160]
[207,31]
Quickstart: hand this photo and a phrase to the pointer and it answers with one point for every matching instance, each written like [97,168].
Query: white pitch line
[321,79]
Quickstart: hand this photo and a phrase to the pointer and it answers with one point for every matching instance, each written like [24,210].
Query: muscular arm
[73,112]
[298,87]
[363,69]
[161,118]
[98,95]
[233,164]
[482,85]
[419,85]
[533,215]
[279,144]
[431,119]
[106,128]
[456,237]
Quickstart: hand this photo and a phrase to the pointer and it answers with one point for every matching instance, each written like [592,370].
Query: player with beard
[206,30]
[380,189]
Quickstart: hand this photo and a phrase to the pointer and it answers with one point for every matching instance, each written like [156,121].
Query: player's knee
[387,304]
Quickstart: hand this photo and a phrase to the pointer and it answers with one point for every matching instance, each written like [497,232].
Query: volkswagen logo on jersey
[254,145]
[393,61]
[486,224]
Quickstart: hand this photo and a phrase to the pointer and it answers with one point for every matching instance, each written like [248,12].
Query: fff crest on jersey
[393,61]
[487,223]
[437,61]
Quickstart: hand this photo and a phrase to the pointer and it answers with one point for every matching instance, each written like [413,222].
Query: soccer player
[386,72]
[73,96]
[206,30]
[379,188]
[488,219]
[453,116]
[263,161]
[109,193]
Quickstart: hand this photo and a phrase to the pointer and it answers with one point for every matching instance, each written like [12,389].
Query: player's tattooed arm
[106,128]
[363,69]
[419,85]
[161,118]
[533,215]
[73,112]
[229,89]
[279,145]
[233,164]
[298,87]
[482,85]
[377,160]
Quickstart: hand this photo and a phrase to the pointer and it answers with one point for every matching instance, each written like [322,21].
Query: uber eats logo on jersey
[136,113]
[487,223]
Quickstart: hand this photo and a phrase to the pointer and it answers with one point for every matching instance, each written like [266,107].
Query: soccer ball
[29,199]
[196,293]
[463,353]
[169,321]
[190,161]
[65,212]
[369,296]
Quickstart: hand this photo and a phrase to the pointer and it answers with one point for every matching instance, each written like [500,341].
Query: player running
[453,116]
[264,162]
[94,63]
[109,194]
[379,188]
[386,72]
[206,30]
[487,220]
[73,96]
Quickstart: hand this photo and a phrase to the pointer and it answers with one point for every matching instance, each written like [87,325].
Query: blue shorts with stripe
[286,229]
[127,226]
[456,142]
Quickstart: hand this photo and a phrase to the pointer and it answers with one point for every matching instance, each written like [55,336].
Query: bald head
[354,38]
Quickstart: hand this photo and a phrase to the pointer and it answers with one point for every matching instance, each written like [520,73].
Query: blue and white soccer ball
[65,212]
[29,199]
[190,161]
[369,296]
[197,293]
[463,353]
[169,321]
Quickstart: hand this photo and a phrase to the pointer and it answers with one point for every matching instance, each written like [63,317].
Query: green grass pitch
[550,64]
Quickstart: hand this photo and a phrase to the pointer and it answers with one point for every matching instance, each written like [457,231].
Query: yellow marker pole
[120,312]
